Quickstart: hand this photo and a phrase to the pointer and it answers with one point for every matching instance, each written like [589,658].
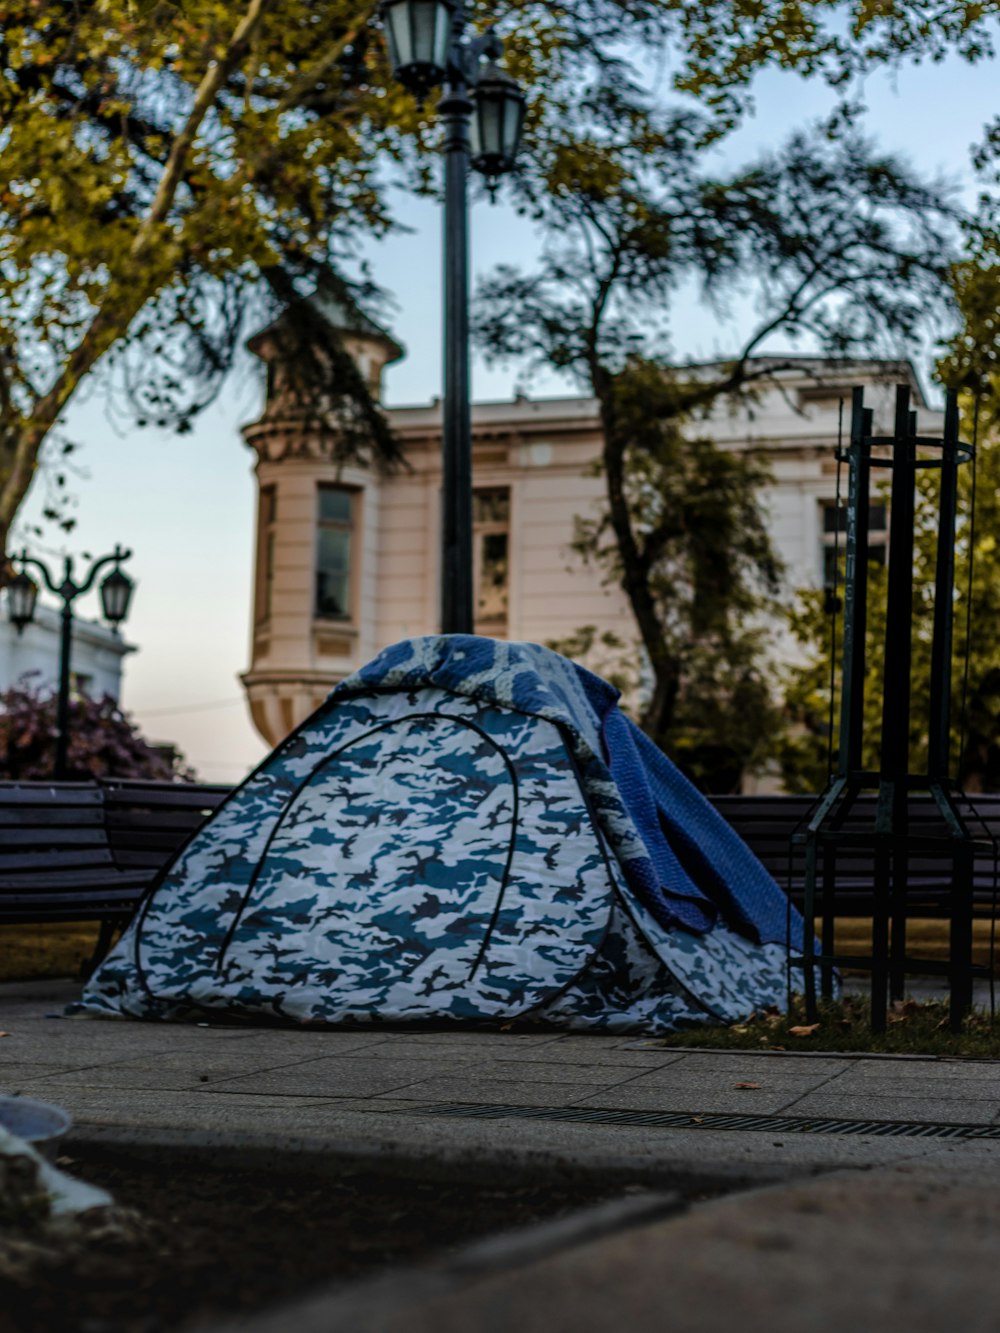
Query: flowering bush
[103,743]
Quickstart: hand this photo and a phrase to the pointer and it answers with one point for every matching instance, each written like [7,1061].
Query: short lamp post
[482,109]
[22,594]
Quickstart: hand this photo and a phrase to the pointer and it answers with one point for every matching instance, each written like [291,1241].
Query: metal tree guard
[915,847]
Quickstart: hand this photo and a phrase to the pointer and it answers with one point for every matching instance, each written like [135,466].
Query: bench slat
[33,862]
[48,818]
[98,897]
[89,851]
[90,835]
[60,795]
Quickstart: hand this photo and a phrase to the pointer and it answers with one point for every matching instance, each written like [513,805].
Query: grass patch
[927,939]
[51,949]
[914,1028]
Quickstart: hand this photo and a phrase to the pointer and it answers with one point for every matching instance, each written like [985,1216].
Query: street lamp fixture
[419,35]
[482,111]
[116,594]
[495,132]
[22,594]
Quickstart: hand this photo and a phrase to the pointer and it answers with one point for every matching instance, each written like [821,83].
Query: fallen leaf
[803,1030]
[901,1011]
[4,1034]
[697,1120]
[751,1086]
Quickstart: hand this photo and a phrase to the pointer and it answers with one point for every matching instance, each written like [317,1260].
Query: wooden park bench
[88,851]
[766,825]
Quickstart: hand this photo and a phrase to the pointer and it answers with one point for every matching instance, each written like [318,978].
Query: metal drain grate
[760,1124]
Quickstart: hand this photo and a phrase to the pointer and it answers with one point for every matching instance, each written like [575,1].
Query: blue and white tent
[465,829]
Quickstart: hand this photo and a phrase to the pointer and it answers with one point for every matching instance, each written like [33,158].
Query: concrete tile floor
[194,1078]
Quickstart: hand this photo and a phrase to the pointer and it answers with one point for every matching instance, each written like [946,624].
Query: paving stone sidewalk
[901,1190]
[459,1094]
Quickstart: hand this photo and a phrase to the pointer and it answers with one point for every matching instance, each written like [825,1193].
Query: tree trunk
[658,713]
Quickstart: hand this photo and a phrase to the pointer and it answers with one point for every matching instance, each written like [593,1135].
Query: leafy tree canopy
[170,168]
[726,42]
[833,241]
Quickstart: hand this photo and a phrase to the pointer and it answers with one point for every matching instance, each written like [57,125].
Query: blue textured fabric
[691,867]
[671,813]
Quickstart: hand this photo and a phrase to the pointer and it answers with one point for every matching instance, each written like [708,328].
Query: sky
[185,504]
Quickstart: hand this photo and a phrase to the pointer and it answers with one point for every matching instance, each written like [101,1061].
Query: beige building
[347,560]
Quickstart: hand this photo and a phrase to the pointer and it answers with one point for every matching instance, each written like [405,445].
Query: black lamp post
[22,594]
[483,111]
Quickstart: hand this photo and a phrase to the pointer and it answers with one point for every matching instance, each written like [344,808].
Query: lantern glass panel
[418,33]
[426,48]
[397,31]
[442,36]
[116,593]
[484,131]
[22,594]
[513,121]
[496,125]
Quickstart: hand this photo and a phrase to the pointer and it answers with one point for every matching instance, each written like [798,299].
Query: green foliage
[725,43]
[972,356]
[103,743]
[836,243]
[174,172]
[975,748]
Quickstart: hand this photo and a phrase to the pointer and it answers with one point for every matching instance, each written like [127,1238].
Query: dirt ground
[220,1244]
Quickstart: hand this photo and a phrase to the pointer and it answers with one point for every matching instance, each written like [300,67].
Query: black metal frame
[834,827]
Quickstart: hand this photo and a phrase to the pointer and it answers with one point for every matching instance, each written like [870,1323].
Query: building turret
[317,525]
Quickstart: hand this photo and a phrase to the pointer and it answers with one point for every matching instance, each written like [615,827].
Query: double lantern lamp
[22,594]
[426,49]
[115,593]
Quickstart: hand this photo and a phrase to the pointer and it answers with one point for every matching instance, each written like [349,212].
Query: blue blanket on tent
[687,865]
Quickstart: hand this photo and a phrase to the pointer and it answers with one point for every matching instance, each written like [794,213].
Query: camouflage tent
[464,830]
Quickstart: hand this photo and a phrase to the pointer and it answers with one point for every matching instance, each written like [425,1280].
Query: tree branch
[120,307]
[213,80]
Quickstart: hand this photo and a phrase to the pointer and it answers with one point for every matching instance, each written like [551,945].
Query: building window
[491,542]
[334,543]
[81,684]
[266,518]
[834,537]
